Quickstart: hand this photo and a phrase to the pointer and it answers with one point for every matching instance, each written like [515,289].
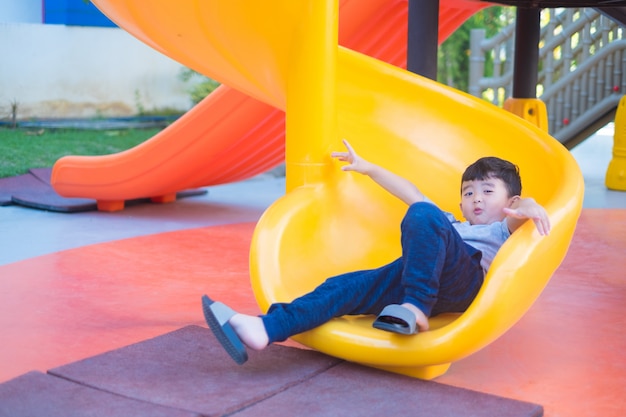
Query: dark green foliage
[453,59]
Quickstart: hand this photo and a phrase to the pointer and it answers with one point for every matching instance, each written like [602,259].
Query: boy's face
[482,201]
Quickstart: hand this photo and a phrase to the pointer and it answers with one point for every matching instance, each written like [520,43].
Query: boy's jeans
[438,272]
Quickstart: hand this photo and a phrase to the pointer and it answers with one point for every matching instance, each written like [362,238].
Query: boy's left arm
[527,208]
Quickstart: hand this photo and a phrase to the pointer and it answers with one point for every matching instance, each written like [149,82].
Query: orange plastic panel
[229,136]
[110,205]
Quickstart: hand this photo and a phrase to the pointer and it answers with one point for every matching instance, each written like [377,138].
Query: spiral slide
[284,53]
[230,136]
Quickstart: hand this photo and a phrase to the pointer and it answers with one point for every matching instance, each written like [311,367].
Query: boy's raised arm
[400,187]
[528,208]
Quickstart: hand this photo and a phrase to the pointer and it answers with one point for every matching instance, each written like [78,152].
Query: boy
[441,269]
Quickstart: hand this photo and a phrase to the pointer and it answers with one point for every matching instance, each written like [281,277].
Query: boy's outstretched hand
[393,183]
[355,163]
[527,208]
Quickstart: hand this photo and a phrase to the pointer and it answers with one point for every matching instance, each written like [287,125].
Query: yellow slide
[285,53]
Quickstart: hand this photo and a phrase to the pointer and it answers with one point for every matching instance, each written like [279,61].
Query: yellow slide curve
[285,53]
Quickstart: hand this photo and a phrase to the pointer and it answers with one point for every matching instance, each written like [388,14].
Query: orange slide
[231,136]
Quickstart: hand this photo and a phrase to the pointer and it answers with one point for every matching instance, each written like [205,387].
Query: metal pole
[527,34]
[477,61]
[423,37]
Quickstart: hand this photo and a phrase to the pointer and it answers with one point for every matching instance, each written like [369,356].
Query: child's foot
[420,318]
[217,316]
[231,329]
[403,319]
[250,330]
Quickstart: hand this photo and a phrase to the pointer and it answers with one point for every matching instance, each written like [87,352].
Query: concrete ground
[27,233]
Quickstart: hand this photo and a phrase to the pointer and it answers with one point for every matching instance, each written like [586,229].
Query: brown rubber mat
[33,190]
[38,394]
[188,369]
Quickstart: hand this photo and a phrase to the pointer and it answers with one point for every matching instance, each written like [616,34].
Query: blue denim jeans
[437,272]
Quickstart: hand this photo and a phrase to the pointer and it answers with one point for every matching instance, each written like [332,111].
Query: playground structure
[582,73]
[231,135]
[197,150]
[398,119]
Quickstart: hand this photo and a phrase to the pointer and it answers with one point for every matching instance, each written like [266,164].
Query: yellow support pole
[311,116]
[530,109]
[616,172]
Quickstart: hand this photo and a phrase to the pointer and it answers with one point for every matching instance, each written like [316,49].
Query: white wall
[24,11]
[70,71]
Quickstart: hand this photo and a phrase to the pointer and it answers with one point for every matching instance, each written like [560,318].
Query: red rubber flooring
[565,354]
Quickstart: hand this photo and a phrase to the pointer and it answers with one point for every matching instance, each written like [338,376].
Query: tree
[453,54]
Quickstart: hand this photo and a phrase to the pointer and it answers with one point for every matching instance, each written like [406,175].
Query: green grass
[22,149]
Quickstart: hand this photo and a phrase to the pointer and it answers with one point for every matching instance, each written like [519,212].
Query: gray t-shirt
[487,238]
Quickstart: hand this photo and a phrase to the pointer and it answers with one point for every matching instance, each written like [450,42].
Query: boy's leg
[440,271]
[437,269]
[360,292]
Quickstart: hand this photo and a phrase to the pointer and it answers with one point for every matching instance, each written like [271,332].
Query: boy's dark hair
[492,167]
